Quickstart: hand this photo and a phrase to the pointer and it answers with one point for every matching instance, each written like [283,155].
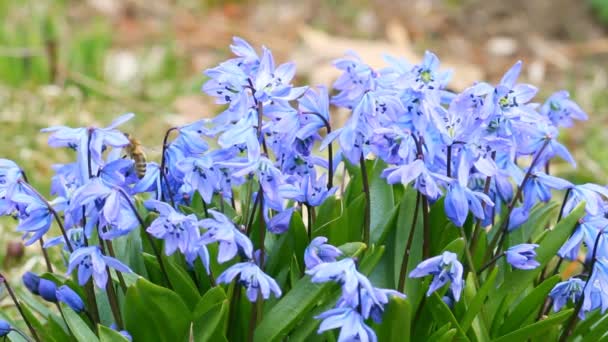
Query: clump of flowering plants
[441,225]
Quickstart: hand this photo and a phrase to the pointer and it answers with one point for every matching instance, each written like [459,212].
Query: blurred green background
[86,62]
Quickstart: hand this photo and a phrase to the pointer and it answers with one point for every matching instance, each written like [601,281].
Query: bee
[136,152]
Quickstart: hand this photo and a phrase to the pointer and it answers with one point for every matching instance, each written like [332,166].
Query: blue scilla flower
[566,291]
[35,217]
[176,229]
[372,303]
[279,223]
[343,272]
[69,297]
[460,199]
[561,110]
[426,181]
[272,83]
[311,190]
[47,290]
[231,241]
[314,109]
[268,175]
[5,328]
[91,262]
[319,251]
[201,175]
[350,322]
[31,282]
[444,268]
[356,79]
[522,256]
[586,231]
[151,181]
[592,194]
[89,141]
[253,279]
[539,134]
[596,289]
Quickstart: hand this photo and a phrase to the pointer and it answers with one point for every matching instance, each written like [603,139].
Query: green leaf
[396,321]
[442,314]
[437,334]
[182,283]
[210,326]
[109,335]
[517,280]
[597,330]
[529,305]
[212,297]
[151,313]
[294,241]
[478,301]
[293,307]
[78,327]
[381,197]
[536,329]
[538,219]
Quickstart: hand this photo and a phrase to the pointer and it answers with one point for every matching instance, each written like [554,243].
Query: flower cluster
[485,151]
[359,300]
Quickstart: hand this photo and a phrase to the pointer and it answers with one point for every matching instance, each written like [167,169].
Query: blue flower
[426,181]
[443,268]
[90,262]
[350,322]
[586,231]
[311,190]
[201,175]
[561,110]
[319,251]
[176,229]
[569,290]
[5,328]
[343,272]
[253,279]
[596,290]
[279,223]
[460,199]
[47,290]
[31,282]
[522,256]
[354,82]
[91,141]
[231,241]
[75,235]
[592,194]
[35,218]
[68,296]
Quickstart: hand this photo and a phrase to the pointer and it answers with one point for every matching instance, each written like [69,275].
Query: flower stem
[573,319]
[14,298]
[163,169]
[501,234]
[91,302]
[121,279]
[426,246]
[477,228]
[309,215]
[262,228]
[159,259]
[45,254]
[53,211]
[467,252]
[406,252]
[366,228]
[330,153]
[490,263]
[112,297]
[449,161]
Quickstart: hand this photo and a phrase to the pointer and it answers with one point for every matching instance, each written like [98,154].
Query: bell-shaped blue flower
[522,256]
[231,241]
[319,251]
[444,268]
[253,279]
[91,262]
[566,291]
[68,296]
[31,282]
[176,229]
[350,322]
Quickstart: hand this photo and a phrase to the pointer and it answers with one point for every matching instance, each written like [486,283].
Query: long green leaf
[210,325]
[108,335]
[151,312]
[529,305]
[381,197]
[536,329]
[78,327]
[478,301]
[442,314]
[182,283]
[396,321]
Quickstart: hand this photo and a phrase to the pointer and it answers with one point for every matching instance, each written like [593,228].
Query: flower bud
[5,328]
[68,296]
[31,281]
[47,290]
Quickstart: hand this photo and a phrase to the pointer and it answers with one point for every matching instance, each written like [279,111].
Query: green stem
[406,252]
[366,228]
